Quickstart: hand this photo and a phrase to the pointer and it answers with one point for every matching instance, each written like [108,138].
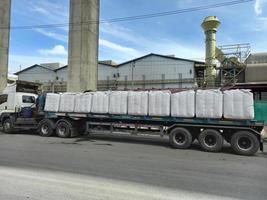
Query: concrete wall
[83,45]
[5,7]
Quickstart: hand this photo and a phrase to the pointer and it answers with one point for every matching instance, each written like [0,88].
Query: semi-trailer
[21,111]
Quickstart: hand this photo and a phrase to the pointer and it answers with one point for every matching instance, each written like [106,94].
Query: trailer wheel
[64,129]
[245,143]
[7,126]
[46,128]
[210,140]
[180,138]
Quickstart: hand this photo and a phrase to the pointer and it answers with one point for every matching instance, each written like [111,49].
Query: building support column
[83,45]
[5,8]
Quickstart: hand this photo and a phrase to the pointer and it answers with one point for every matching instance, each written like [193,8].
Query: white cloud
[147,45]
[258,7]
[56,11]
[41,10]
[54,35]
[119,48]
[122,33]
[58,50]
[168,47]
[45,12]
[117,31]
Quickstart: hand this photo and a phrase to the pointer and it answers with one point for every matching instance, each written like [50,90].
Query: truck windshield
[28,99]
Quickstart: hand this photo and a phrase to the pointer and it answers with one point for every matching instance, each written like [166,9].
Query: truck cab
[11,106]
[13,102]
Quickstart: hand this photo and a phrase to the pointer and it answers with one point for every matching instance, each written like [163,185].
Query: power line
[132,18]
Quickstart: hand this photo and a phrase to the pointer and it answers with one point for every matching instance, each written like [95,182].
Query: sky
[179,35]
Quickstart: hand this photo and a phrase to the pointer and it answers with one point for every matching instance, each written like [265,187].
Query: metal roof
[163,56]
[33,66]
[100,62]
[257,58]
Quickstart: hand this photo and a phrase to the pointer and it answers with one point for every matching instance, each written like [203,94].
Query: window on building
[28,99]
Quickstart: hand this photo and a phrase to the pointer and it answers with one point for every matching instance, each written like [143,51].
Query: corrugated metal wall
[37,74]
[256,72]
[147,73]
[156,72]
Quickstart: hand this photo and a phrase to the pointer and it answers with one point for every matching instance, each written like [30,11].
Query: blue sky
[179,35]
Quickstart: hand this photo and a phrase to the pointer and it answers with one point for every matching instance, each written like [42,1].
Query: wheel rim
[45,129]
[179,138]
[7,125]
[210,140]
[244,143]
[62,130]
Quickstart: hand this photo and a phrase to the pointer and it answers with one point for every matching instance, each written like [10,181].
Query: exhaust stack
[210,25]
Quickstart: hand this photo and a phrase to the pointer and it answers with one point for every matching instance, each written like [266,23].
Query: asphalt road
[124,167]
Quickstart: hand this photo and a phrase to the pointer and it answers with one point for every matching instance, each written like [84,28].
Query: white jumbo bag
[52,102]
[159,103]
[138,103]
[118,102]
[67,102]
[100,102]
[209,104]
[83,103]
[183,104]
[238,104]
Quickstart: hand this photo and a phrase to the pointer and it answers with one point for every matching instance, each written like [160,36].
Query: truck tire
[46,128]
[64,129]
[210,140]
[7,126]
[245,143]
[180,138]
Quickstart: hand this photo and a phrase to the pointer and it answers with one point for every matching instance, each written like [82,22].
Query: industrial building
[256,70]
[256,75]
[146,72]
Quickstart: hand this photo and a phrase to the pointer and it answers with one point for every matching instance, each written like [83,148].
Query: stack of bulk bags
[159,103]
[183,104]
[138,103]
[100,102]
[238,104]
[67,102]
[209,104]
[118,102]
[83,103]
[52,102]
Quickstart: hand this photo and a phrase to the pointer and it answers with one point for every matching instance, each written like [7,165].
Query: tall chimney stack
[5,7]
[83,45]
[210,25]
